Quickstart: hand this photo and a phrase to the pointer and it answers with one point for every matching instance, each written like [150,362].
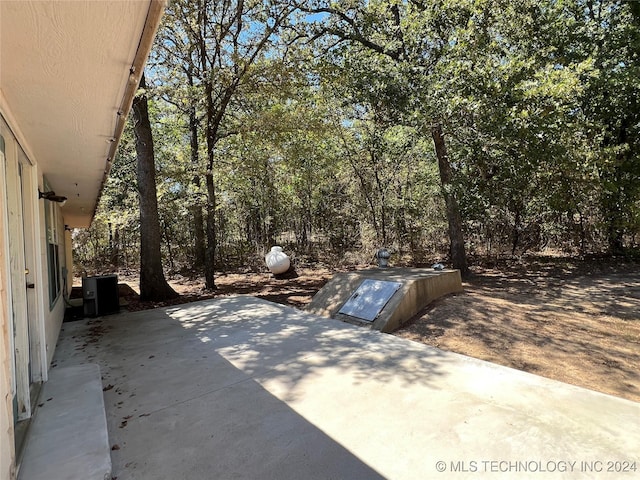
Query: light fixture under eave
[52,197]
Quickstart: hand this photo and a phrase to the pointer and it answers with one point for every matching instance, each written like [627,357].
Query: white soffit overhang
[67,82]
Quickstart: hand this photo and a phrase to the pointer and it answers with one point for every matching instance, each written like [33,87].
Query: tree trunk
[614,205]
[615,229]
[153,285]
[199,238]
[456,238]
[114,250]
[210,258]
[167,240]
[196,209]
[517,227]
[212,127]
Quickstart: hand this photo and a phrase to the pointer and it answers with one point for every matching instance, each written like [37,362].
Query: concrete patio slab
[240,388]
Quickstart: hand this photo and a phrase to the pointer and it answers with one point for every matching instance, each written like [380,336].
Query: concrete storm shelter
[68,74]
[383,298]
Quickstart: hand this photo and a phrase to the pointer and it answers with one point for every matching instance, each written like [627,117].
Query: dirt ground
[558,321]
[577,322]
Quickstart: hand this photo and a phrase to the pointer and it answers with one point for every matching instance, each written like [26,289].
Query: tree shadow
[216,382]
[553,320]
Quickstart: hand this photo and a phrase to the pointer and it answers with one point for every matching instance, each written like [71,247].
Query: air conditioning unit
[100,295]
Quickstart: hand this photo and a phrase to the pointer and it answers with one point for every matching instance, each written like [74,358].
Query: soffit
[64,74]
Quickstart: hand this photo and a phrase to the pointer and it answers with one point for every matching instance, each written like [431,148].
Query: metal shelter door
[369,299]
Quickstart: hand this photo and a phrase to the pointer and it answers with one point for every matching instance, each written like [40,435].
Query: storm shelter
[383,299]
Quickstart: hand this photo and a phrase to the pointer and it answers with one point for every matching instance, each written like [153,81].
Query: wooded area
[441,130]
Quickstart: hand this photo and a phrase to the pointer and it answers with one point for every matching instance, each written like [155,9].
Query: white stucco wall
[53,315]
[68,255]
[44,320]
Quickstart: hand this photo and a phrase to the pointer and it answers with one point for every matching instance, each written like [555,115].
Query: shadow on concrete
[242,388]
[587,324]
[184,388]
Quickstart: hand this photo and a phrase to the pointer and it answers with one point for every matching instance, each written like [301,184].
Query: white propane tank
[277,261]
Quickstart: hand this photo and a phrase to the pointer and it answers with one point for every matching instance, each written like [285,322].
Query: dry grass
[577,326]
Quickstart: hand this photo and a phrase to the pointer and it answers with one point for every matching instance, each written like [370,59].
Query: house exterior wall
[53,314]
[54,123]
[68,257]
[30,321]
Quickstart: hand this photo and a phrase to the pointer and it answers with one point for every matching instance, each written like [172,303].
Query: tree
[224,39]
[405,41]
[610,37]
[516,120]
[177,76]
[510,102]
[153,285]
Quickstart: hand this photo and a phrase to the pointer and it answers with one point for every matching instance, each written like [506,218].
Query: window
[53,253]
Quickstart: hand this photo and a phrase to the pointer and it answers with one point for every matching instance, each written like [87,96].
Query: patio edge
[68,438]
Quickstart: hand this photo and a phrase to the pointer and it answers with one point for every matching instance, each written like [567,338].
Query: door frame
[32,253]
[7,422]
[21,238]
[19,324]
